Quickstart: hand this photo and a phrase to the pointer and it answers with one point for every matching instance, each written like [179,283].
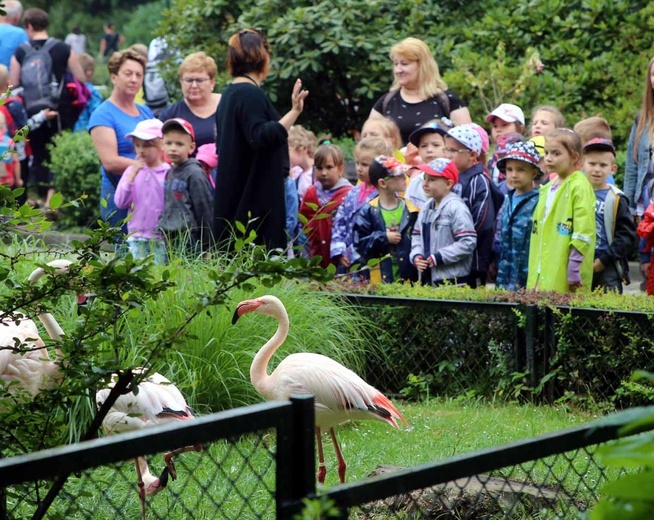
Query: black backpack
[40,86]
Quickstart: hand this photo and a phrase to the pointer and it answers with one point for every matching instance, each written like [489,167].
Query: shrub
[76,168]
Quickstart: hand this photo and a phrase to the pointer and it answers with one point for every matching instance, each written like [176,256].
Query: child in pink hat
[141,190]
[208,159]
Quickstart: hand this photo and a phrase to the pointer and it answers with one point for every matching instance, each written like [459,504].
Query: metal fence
[258,462]
[451,348]
[254,462]
[551,476]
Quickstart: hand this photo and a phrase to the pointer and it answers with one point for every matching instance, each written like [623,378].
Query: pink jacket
[144,198]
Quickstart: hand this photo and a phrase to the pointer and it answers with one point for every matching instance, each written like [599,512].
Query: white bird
[340,394]
[30,370]
[158,402]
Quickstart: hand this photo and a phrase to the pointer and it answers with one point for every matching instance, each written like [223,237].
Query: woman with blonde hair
[418,93]
[197,75]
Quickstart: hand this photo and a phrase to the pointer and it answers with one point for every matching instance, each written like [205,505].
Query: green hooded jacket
[570,222]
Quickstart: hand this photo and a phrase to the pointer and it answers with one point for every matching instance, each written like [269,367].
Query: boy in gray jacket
[188,205]
[444,236]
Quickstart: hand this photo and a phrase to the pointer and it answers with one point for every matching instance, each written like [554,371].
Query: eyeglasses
[453,150]
[197,81]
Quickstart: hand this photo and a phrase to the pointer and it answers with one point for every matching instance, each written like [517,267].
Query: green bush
[76,169]
[592,51]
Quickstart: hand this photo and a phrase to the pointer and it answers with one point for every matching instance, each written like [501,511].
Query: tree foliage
[593,51]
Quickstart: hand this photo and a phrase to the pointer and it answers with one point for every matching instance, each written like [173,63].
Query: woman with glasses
[197,75]
[112,121]
[252,146]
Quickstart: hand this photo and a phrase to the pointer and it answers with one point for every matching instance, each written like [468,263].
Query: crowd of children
[533,207]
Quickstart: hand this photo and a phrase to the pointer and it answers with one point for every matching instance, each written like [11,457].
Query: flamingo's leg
[339,457]
[322,469]
[168,458]
[141,486]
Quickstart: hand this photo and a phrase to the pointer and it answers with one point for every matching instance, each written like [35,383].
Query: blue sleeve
[369,240]
[292,207]
[101,117]
[480,201]
[631,170]
[17,111]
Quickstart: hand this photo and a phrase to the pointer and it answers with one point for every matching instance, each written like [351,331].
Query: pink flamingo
[340,395]
[158,402]
[31,370]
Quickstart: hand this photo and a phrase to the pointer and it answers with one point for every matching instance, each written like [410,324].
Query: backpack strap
[387,100]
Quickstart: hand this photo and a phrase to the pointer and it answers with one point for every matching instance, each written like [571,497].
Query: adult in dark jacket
[251,142]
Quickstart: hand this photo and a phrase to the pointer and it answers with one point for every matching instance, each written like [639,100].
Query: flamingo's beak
[244,307]
[84,302]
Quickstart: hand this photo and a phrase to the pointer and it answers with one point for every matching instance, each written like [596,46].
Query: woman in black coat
[252,147]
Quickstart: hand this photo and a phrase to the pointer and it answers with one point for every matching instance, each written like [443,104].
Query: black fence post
[531,325]
[296,456]
[548,352]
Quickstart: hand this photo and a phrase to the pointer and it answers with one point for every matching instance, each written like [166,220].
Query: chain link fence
[258,462]
[552,476]
[446,348]
[236,474]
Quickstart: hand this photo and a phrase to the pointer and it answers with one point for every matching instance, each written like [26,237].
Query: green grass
[220,478]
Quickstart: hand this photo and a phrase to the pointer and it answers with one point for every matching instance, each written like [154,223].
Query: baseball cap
[508,113]
[485,143]
[435,126]
[521,151]
[441,167]
[179,124]
[599,145]
[207,154]
[539,142]
[467,136]
[147,130]
[384,166]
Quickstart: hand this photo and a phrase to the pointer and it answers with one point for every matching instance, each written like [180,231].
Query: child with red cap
[188,207]
[444,237]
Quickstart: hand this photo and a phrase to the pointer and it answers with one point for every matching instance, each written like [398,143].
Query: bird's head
[267,305]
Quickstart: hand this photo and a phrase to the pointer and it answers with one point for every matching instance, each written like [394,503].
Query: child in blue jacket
[383,226]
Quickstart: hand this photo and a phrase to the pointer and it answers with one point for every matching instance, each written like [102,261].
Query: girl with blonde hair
[418,93]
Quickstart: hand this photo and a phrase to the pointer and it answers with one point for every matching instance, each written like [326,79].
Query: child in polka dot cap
[463,145]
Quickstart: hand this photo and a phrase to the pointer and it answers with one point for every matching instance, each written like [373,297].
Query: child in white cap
[463,145]
[141,191]
[506,118]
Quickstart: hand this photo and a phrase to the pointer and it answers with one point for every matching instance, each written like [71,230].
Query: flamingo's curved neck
[259,369]
[52,328]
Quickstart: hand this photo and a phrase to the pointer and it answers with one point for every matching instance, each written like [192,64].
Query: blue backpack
[40,86]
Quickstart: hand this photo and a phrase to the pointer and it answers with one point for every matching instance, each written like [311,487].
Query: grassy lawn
[237,479]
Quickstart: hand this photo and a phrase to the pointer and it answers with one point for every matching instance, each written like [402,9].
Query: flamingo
[157,402]
[340,394]
[30,370]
